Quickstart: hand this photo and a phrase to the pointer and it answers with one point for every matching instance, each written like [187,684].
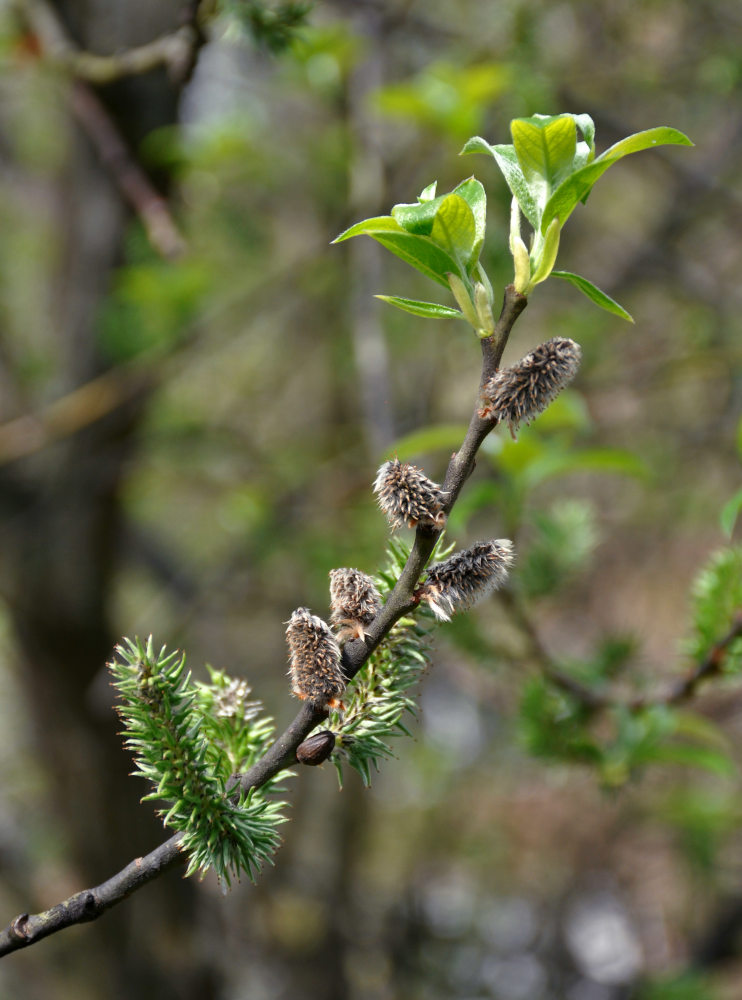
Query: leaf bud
[316,748]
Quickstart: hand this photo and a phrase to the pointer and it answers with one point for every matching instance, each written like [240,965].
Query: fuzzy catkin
[355,602]
[408,497]
[466,577]
[519,393]
[314,660]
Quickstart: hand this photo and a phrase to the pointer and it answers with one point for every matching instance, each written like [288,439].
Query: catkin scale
[314,660]
[355,602]
[519,393]
[466,577]
[408,497]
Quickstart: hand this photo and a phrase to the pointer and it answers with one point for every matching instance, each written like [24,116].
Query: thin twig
[26,929]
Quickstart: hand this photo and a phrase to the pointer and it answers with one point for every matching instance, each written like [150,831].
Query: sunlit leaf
[594,294]
[431,310]
[420,252]
[577,186]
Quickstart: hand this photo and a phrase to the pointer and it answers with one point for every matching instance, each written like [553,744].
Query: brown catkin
[519,393]
[355,602]
[408,497]
[466,577]
[314,658]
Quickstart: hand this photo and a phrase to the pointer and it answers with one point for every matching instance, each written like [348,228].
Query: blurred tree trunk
[62,541]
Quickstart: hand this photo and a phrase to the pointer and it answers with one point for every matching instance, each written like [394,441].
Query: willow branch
[89,904]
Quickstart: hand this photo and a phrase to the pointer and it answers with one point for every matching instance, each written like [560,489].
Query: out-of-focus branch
[131,180]
[26,929]
[175,50]
[681,690]
[83,406]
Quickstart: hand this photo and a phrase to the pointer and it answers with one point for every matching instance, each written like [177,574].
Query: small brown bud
[355,602]
[316,749]
[519,393]
[407,496]
[314,657]
[466,577]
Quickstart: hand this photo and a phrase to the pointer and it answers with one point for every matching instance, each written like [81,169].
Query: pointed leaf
[420,252]
[472,191]
[454,229]
[428,193]
[578,185]
[594,294]
[431,310]
[662,135]
[545,146]
[369,227]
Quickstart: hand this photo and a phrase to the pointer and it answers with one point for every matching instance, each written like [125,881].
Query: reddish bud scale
[314,658]
[408,497]
[355,602]
[519,393]
[466,577]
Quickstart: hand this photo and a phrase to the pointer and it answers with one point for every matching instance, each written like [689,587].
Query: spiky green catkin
[164,729]
[466,577]
[408,497]
[355,602]
[314,660]
[519,393]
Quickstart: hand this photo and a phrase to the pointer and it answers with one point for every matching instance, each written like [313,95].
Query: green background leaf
[594,294]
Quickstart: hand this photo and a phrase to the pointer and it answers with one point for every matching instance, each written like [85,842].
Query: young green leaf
[431,310]
[454,229]
[418,218]
[545,146]
[577,186]
[421,253]
[428,193]
[371,227]
[472,191]
[507,160]
[594,294]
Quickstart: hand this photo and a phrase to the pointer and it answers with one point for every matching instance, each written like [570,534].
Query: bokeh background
[187,443]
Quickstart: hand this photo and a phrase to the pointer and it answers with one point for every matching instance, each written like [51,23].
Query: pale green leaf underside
[594,294]
[431,310]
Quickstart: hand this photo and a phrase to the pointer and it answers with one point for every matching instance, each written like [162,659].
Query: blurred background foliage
[239,397]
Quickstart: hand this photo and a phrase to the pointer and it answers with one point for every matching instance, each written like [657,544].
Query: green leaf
[577,186]
[418,218]
[472,191]
[421,253]
[370,227]
[454,229]
[662,135]
[431,310]
[730,513]
[545,146]
[428,193]
[507,160]
[594,294]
